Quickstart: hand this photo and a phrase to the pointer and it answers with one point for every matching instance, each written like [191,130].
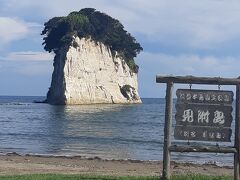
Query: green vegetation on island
[89,23]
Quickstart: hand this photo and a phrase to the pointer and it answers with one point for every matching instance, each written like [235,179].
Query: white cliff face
[87,73]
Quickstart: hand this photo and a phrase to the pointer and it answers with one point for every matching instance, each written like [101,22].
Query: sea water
[110,131]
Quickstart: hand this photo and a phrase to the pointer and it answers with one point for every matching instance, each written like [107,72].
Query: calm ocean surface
[105,131]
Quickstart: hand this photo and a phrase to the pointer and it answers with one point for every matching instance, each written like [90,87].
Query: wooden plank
[203,115]
[237,134]
[207,149]
[167,131]
[201,96]
[197,80]
[203,133]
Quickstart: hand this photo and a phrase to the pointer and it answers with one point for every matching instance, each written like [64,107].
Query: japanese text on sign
[205,96]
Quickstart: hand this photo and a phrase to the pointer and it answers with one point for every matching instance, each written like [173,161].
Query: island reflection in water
[90,130]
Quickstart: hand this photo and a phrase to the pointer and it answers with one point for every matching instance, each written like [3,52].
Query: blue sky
[179,37]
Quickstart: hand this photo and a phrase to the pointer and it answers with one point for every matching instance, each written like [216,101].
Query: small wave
[68,156]
[73,156]
[15,103]
[211,162]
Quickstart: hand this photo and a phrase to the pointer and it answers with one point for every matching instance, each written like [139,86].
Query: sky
[179,37]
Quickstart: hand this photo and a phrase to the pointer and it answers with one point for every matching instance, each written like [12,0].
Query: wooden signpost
[201,115]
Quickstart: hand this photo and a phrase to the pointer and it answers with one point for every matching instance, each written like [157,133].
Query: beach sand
[14,164]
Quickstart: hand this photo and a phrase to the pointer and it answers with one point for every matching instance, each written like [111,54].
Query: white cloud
[171,24]
[29,56]
[197,24]
[27,63]
[35,68]
[186,64]
[12,29]
[152,64]
[29,68]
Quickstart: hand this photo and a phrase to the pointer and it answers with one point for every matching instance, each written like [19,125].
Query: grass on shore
[87,177]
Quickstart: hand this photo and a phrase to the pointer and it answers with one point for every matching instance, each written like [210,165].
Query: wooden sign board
[203,115]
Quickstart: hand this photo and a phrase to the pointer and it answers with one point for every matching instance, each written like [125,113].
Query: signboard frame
[203,115]
[168,147]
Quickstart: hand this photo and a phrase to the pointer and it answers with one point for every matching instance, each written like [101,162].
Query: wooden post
[237,133]
[167,131]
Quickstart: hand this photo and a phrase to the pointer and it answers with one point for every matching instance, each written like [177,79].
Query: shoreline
[15,164]
[110,159]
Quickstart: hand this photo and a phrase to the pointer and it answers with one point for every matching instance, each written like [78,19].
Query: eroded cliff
[87,72]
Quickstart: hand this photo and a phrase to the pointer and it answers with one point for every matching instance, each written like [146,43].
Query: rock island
[94,59]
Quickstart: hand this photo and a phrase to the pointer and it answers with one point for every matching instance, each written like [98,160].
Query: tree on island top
[89,23]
